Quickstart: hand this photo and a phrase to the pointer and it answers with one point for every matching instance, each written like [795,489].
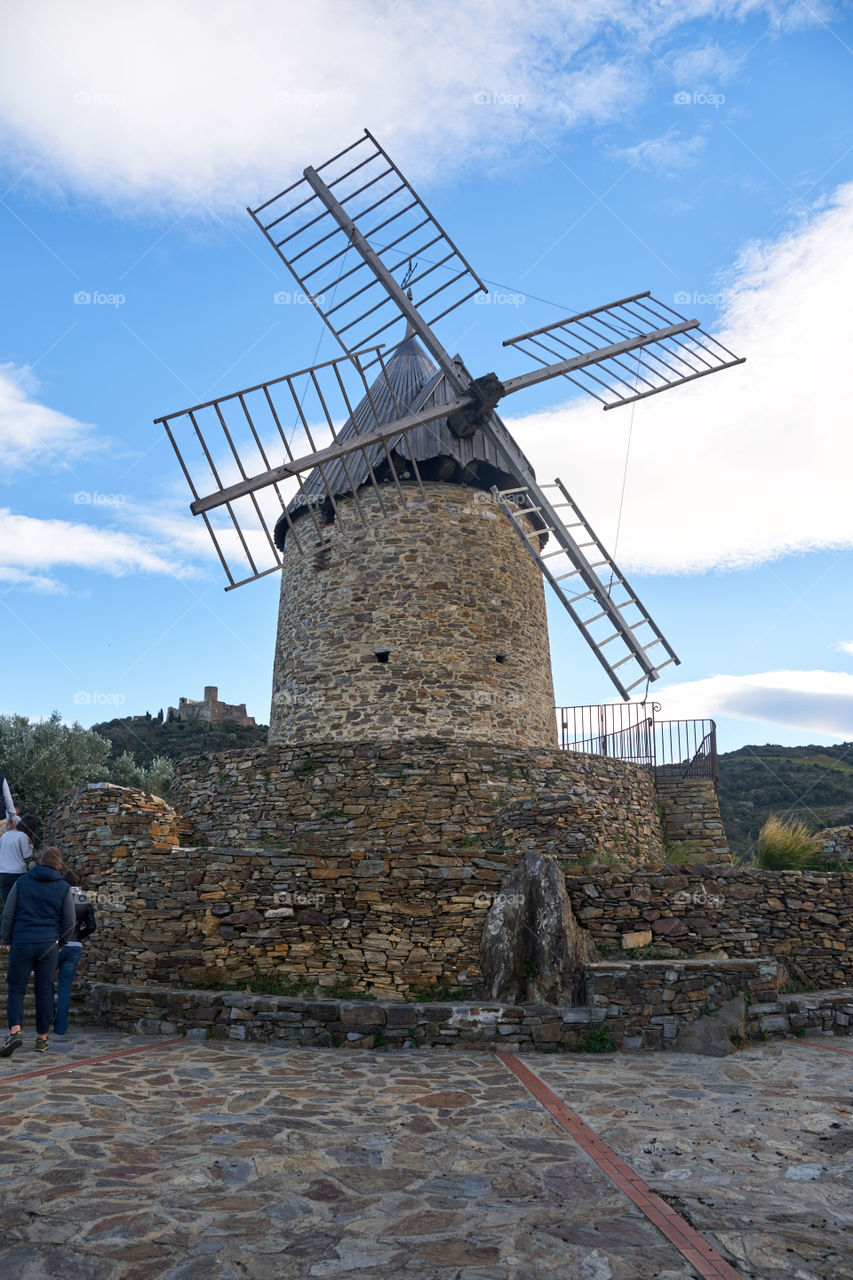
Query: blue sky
[577,153]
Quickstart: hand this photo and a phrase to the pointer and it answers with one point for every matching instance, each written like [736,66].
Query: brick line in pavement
[814,1044]
[710,1264]
[87,1062]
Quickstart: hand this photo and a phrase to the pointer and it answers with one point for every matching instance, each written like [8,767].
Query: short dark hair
[51,857]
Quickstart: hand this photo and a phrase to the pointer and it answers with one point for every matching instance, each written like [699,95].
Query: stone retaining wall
[624,1013]
[803,918]
[402,911]
[837,843]
[404,796]
[690,814]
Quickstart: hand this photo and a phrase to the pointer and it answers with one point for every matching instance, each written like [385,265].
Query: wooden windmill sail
[385,415]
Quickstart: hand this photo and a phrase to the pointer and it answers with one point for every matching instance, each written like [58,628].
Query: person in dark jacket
[69,956]
[38,911]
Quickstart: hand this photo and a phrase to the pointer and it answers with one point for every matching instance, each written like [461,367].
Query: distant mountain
[144,738]
[813,784]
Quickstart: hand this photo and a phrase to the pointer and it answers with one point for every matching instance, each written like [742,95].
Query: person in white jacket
[16,847]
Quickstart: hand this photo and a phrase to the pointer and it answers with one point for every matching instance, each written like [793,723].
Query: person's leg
[5,886]
[17,977]
[44,967]
[7,879]
[69,958]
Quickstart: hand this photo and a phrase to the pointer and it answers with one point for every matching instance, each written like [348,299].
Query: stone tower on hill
[210,709]
[431,621]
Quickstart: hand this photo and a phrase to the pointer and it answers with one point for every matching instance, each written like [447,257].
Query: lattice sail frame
[644,371]
[346,231]
[378,201]
[212,441]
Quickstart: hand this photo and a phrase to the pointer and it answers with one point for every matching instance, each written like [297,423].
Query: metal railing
[630,731]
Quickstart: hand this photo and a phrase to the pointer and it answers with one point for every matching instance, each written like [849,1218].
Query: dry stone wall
[802,918]
[410,798]
[371,865]
[690,813]
[837,844]
[637,1006]
[428,622]
[402,906]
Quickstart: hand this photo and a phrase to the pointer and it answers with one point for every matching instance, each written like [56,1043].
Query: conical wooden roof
[410,382]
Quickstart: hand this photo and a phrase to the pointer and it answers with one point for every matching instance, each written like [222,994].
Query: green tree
[44,760]
[155,777]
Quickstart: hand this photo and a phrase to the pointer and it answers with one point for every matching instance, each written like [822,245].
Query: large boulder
[533,951]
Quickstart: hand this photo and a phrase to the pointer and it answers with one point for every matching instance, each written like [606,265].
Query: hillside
[814,784]
[145,739]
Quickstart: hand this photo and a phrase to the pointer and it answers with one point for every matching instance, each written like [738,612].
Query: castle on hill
[210,709]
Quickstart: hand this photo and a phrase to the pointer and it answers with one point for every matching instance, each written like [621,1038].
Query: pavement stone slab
[232,1159]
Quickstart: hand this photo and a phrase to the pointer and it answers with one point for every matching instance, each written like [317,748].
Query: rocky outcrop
[533,950]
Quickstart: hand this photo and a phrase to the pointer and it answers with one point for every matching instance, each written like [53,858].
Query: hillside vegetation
[813,784]
[145,739]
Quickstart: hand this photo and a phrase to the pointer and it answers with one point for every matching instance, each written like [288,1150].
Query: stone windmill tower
[413,537]
[430,622]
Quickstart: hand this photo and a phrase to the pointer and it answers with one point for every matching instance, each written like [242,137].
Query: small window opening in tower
[500,657]
[382,655]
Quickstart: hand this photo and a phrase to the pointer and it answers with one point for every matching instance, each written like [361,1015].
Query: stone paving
[219,1160]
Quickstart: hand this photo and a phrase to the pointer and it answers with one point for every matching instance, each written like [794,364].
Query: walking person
[16,848]
[69,956]
[38,911]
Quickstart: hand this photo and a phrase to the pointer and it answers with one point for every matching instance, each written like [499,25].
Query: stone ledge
[240,1015]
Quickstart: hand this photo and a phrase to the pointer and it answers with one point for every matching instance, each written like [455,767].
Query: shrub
[597,1040]
[787,845]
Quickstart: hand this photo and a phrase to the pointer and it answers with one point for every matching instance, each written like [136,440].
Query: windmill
[394,454]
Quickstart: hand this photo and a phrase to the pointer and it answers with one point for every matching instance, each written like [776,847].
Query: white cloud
[811,701]
[153,105]
[29,545]
[844,646]
[704,67]
[749,464]
[31,433]
[667,153]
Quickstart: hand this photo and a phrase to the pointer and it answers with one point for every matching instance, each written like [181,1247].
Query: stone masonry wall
[837,844]
[103,824]
[690,814]
[412,798]
[447,591]
[638,1006]
[802,918]
[405,907]
[372,865]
